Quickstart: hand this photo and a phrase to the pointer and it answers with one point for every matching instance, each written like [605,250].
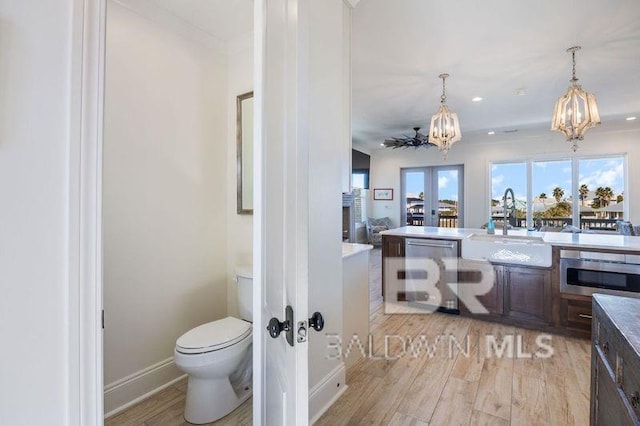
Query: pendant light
[445,126]
[576,111]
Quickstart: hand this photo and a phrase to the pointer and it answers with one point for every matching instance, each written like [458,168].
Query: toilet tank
[244,280]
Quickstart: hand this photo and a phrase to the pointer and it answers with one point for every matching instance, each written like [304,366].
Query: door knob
[275,326]
[316,321]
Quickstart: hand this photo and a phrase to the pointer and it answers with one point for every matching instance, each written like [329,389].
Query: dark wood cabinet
[493,301]
[527,293]
[615,361]
[392,247]
[576,313]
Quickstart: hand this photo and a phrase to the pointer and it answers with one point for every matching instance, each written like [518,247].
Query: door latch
[275,326]
[302,331]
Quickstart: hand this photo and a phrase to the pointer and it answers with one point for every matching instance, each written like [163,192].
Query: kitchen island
[525,290]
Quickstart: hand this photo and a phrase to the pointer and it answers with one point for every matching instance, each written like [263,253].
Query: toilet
[217,357]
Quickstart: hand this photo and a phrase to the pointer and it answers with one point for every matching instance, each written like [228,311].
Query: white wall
[35,65]
[476,157]
[239,227]
[165,197]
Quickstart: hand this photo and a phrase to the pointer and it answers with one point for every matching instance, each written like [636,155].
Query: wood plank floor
[413,386]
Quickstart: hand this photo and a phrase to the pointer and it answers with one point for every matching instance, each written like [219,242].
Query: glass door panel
[413,195]
[448,196]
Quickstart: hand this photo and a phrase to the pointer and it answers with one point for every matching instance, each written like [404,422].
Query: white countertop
[565,239]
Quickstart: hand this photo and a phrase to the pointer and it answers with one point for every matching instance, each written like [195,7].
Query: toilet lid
[213,336]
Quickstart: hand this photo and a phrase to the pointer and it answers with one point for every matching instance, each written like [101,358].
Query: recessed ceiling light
[476,99]
[381,144]
[630,118]
[491,133]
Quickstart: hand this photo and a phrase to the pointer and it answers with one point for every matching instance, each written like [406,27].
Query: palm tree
[542,196]
[557,193]
[584,190]
[608,194]
[604,195]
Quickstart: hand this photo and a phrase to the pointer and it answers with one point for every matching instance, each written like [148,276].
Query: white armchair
[374,227]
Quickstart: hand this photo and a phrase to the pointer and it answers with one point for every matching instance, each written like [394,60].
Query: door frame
[430,201]
[84,249]
[85,351]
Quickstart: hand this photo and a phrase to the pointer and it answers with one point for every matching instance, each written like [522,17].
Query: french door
[433,196]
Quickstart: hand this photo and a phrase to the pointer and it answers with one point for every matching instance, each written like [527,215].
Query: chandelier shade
[576,111]
[445,126]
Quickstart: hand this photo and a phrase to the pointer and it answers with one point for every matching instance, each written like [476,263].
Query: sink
[511,249]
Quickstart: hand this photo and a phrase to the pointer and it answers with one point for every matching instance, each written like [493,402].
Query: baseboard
[123,393]
[326,392]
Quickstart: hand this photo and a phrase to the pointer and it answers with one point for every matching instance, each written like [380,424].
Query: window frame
[575,180]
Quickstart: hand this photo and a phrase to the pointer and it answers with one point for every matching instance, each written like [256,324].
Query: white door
[281,211]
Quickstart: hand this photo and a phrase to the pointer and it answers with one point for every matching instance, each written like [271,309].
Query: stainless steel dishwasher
[416,277]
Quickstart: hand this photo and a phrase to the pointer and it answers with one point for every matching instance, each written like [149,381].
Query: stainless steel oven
[585,273]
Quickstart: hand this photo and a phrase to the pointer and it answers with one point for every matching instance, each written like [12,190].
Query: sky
[447,184]
[546,175]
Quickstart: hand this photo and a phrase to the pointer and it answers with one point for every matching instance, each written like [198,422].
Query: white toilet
[217,356]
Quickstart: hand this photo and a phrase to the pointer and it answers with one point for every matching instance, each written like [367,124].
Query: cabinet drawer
[630,385]
[578,314]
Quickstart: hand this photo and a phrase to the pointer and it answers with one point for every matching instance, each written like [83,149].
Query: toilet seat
[213,336]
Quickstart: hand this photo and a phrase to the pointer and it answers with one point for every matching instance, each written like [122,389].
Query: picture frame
[385,194]
[244,152]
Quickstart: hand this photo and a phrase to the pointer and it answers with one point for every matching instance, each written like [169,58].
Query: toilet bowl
[217,357]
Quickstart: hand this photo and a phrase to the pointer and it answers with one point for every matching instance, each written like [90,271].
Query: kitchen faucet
[511,211]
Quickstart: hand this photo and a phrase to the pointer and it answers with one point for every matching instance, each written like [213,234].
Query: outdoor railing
[560,222]
[444,221]
[593,224]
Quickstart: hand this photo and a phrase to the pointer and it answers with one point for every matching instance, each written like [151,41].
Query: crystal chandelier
[445,126]
[576,111]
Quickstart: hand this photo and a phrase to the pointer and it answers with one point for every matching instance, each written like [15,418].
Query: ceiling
[222,19]
[491,49]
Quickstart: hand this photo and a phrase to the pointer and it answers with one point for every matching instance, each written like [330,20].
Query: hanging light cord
[574,79]
[443,98]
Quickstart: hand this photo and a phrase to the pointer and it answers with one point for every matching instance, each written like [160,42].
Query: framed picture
[383,194]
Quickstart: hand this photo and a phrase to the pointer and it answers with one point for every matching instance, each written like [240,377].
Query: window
[359,182]
[514,176]
[552,201]
[601,187]
[552,194]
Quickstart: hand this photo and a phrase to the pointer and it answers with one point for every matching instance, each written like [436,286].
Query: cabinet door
[609,408]
[493,301]
[392,246]
[528,293]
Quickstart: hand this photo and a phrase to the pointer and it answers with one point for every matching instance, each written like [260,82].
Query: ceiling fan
[409,141]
